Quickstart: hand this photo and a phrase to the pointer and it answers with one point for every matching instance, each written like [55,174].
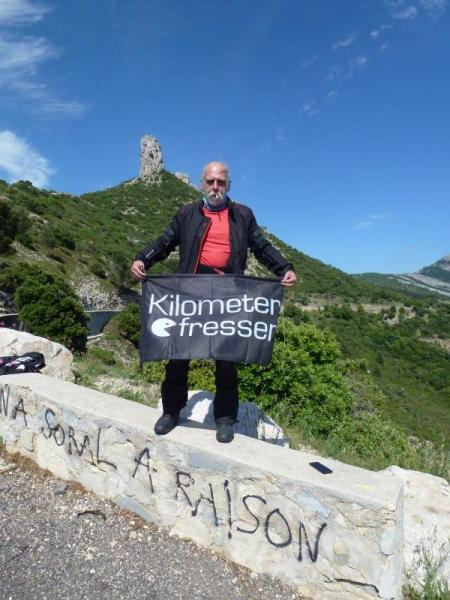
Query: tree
[8,227]
[48,306]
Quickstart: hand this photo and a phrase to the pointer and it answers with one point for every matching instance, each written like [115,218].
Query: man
[213,236]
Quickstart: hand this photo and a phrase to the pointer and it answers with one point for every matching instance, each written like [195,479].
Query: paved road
[59,542]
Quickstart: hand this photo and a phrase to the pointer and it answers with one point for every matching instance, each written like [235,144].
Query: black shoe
[224,433]
[165,423]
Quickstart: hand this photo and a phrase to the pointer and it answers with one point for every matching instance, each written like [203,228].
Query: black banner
[224,317]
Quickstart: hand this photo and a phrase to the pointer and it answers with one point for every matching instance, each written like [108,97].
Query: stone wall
[331,536]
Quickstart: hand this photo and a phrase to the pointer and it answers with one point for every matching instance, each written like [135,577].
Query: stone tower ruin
[151,159]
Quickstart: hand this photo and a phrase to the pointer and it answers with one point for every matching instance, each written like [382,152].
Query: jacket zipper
[201,244]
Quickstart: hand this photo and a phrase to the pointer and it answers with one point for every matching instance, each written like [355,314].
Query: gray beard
[216,199]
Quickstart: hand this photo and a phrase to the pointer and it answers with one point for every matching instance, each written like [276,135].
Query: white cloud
[309,108]
[361,61]
[434,8]
[307,63]
[21,58]
[280,136]
[408,11]
[406,14]
[13,12]
[19,160]
[374,34]
[57,108]
[334,73]
[348,41]
[371,221]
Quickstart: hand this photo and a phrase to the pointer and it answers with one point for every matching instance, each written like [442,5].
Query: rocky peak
[151,159]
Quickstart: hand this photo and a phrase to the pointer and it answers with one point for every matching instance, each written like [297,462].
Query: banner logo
[160,327]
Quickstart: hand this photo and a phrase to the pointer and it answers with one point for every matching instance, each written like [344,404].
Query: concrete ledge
[332,536]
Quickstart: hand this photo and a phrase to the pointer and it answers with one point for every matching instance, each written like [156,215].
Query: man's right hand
[138,270]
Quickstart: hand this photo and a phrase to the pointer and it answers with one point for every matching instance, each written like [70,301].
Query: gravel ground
[58,541]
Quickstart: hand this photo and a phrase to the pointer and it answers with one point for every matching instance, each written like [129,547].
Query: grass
[111,365]
[426,578]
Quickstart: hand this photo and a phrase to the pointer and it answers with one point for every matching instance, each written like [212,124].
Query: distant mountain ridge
[434,279]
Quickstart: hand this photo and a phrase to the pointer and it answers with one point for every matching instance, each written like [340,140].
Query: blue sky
[333,115]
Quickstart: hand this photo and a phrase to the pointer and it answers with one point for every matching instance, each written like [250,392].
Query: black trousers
[174,389]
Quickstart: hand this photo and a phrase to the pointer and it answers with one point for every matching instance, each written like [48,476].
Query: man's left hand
[289,278]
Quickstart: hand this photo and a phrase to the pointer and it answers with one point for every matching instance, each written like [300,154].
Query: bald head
[215,169]
[215,182]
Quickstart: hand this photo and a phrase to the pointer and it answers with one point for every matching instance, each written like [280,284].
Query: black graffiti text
[67,437]
[12,410]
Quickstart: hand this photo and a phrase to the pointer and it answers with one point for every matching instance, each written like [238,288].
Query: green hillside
[399,342]
[97,235]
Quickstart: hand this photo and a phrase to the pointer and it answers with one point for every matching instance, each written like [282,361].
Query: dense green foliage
[414,374]
[302,386]
[98,233]
[47,305]
[8,226]
[129,322]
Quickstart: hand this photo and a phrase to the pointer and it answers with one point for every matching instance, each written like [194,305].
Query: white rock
[252,422]
[151,158]
[58,360]
[185,177]
[426,520]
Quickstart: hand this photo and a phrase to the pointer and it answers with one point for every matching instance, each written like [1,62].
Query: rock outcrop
[251,420]
[426,521]
[185,177]
[151,159]
[58,360]
[94,296]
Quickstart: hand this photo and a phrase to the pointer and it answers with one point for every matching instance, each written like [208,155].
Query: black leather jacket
[188,229]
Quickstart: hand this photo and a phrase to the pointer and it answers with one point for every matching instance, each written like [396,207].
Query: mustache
[216,195]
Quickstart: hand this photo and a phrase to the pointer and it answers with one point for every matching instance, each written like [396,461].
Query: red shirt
[215,250]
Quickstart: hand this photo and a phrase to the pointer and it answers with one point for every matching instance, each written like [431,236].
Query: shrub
[48,306]
[296,314]
[153,372]
[371,439]
[54,237]
[8,227]
[12,276]
[302,386]
[105,356]
[98,269]
[129,321]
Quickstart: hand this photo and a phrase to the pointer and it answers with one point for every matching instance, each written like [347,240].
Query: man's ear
[228,185]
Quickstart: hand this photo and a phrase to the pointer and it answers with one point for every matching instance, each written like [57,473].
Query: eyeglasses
[221,182]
